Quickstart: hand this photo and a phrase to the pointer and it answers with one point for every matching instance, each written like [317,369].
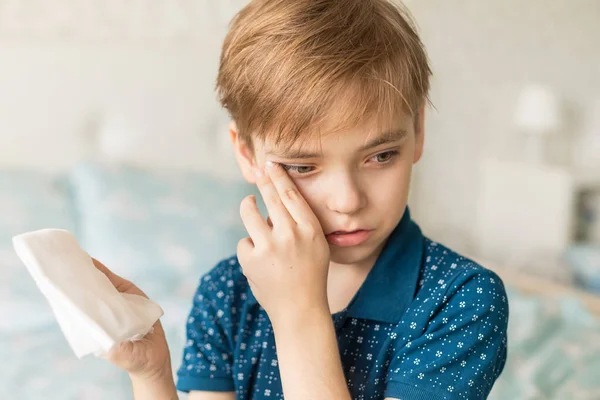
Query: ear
[243,154]
[419,135]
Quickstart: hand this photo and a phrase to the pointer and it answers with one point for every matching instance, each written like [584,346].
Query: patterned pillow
[162,230]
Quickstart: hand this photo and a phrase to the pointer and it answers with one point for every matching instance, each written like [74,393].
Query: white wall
[482,53]
[137,74]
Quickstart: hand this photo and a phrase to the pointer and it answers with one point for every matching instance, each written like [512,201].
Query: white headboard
[124,81]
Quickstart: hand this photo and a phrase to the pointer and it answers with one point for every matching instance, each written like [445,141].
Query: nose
[345,195]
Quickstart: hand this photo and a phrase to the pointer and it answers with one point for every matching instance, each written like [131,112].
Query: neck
[344,280]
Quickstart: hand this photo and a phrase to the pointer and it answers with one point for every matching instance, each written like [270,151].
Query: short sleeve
[207,356]
[462,349]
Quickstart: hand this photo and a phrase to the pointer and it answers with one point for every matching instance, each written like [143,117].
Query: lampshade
[538,110]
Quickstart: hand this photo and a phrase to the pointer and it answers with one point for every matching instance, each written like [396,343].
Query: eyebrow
[292,154]
[384,138]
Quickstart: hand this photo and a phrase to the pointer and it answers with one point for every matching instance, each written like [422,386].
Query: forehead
[333,134]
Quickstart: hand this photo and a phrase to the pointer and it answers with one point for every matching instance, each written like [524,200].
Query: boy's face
[357,179]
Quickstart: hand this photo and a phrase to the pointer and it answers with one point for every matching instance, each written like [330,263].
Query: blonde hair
[286,64]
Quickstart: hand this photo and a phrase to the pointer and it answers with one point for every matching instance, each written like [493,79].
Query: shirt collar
[391,284]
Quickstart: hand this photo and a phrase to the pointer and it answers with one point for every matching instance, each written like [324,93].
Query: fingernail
[270,164]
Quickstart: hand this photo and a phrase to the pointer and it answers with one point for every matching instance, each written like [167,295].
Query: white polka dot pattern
[449,344]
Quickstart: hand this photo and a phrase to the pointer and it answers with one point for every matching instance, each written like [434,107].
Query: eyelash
[294,168]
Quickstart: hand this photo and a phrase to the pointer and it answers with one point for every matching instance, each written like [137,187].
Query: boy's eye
[299,169]
[385,157]
[381,158]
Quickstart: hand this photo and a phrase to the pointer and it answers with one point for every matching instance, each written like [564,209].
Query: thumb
[115,279]
[121,284]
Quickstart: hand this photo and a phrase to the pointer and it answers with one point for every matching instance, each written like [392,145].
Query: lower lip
[348,239]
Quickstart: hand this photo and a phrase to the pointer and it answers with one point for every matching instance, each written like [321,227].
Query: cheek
[308,190]
[386,188]
[311,193]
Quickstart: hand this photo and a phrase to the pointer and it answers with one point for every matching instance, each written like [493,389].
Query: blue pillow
[32,200]
[162,230]
[29,201]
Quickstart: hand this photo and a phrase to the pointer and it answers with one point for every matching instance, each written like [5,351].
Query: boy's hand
[287,263]
[147,359]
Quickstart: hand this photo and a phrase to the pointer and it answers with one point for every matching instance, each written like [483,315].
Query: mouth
[346,231]
[348,238]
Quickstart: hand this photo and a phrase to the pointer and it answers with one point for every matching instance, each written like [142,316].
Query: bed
[554,333]
[144,223]
[88,129]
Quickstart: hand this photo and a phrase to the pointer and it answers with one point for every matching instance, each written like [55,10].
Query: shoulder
[444,268]
[223,285]
[226,270]
[451,279]
[460,312]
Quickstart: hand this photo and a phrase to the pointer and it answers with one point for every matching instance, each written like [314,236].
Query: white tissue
[91,313]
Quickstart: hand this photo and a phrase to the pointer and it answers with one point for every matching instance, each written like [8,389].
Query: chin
[350,255]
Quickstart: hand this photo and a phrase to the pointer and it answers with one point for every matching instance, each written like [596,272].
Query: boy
[338,295]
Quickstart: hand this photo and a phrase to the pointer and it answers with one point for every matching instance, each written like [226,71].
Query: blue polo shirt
[427,323]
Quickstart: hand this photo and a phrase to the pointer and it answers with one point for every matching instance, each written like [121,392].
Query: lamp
[537,115]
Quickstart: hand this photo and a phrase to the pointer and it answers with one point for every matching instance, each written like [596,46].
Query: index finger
[290,196]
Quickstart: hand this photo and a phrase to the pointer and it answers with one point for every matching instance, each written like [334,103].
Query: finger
[115,279]
[244,249]
[277,210]
[290,196]
[244,245]
[121,284]
[256,226]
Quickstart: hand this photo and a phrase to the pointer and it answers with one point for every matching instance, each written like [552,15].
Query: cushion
[28,201]
[161,229]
